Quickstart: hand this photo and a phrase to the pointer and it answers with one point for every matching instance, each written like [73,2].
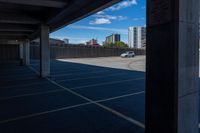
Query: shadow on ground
[85,99]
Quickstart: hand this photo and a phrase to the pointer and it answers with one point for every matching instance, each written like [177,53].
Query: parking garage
[55,96]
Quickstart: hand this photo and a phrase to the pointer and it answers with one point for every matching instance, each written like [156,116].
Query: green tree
[108,45]
[119,44]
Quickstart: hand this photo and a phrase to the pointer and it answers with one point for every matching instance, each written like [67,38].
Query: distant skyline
[114,19]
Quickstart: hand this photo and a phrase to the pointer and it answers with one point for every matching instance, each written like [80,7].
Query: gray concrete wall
[83,52]
[9,53]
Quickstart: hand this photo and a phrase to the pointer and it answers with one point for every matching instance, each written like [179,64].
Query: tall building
[66,41]
[113,38]
[136,37]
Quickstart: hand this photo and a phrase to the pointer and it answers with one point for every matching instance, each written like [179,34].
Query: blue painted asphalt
[34,105]
[85,119]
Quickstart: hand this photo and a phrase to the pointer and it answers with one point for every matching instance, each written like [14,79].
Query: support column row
[24,50]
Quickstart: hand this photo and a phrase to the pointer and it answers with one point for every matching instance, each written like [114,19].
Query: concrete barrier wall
[9,53]
[73,51]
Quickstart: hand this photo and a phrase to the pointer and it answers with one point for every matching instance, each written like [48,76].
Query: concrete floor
[82,96]
[137,63]
[77,98]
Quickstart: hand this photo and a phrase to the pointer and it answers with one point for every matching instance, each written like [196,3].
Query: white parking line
[122,96]
[102,106]
[34,70]
[17,75]
[41,113]
[66,108]
[100,76]
[53,91]
[30,94]
[65,71]
[23,85]
[139,124]
[95,72]
[107,83]
[27,78]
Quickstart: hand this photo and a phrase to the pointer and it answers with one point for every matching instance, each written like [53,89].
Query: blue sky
[115,19]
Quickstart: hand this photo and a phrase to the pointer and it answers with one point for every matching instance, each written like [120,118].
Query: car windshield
[129,52]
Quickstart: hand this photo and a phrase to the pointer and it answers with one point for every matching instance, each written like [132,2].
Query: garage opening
[104,73]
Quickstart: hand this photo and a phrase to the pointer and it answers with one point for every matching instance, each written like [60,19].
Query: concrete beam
[12,18]
[35,34]
[44,52]
[10,42]
[20,38]
[43,3]
[14,33]
[172,71]
[16,28]
[64,17]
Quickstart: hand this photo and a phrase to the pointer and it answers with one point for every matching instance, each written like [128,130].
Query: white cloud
[111,17]
[105,19]
[100,13]
[107,16]
[100,21]
[117,30]
[122,17]
[123,4]
[138,19]
[102,18]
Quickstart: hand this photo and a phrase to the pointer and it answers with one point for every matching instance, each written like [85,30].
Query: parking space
[76,98]
[84,119]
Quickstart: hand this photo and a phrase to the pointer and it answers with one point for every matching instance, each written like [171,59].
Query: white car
[128,54]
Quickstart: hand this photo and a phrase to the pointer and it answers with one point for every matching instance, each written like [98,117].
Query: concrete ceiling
[21,19]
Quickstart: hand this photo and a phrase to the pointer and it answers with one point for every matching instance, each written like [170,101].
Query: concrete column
[44,51]
[21,53]
[26,52]
[172,66]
